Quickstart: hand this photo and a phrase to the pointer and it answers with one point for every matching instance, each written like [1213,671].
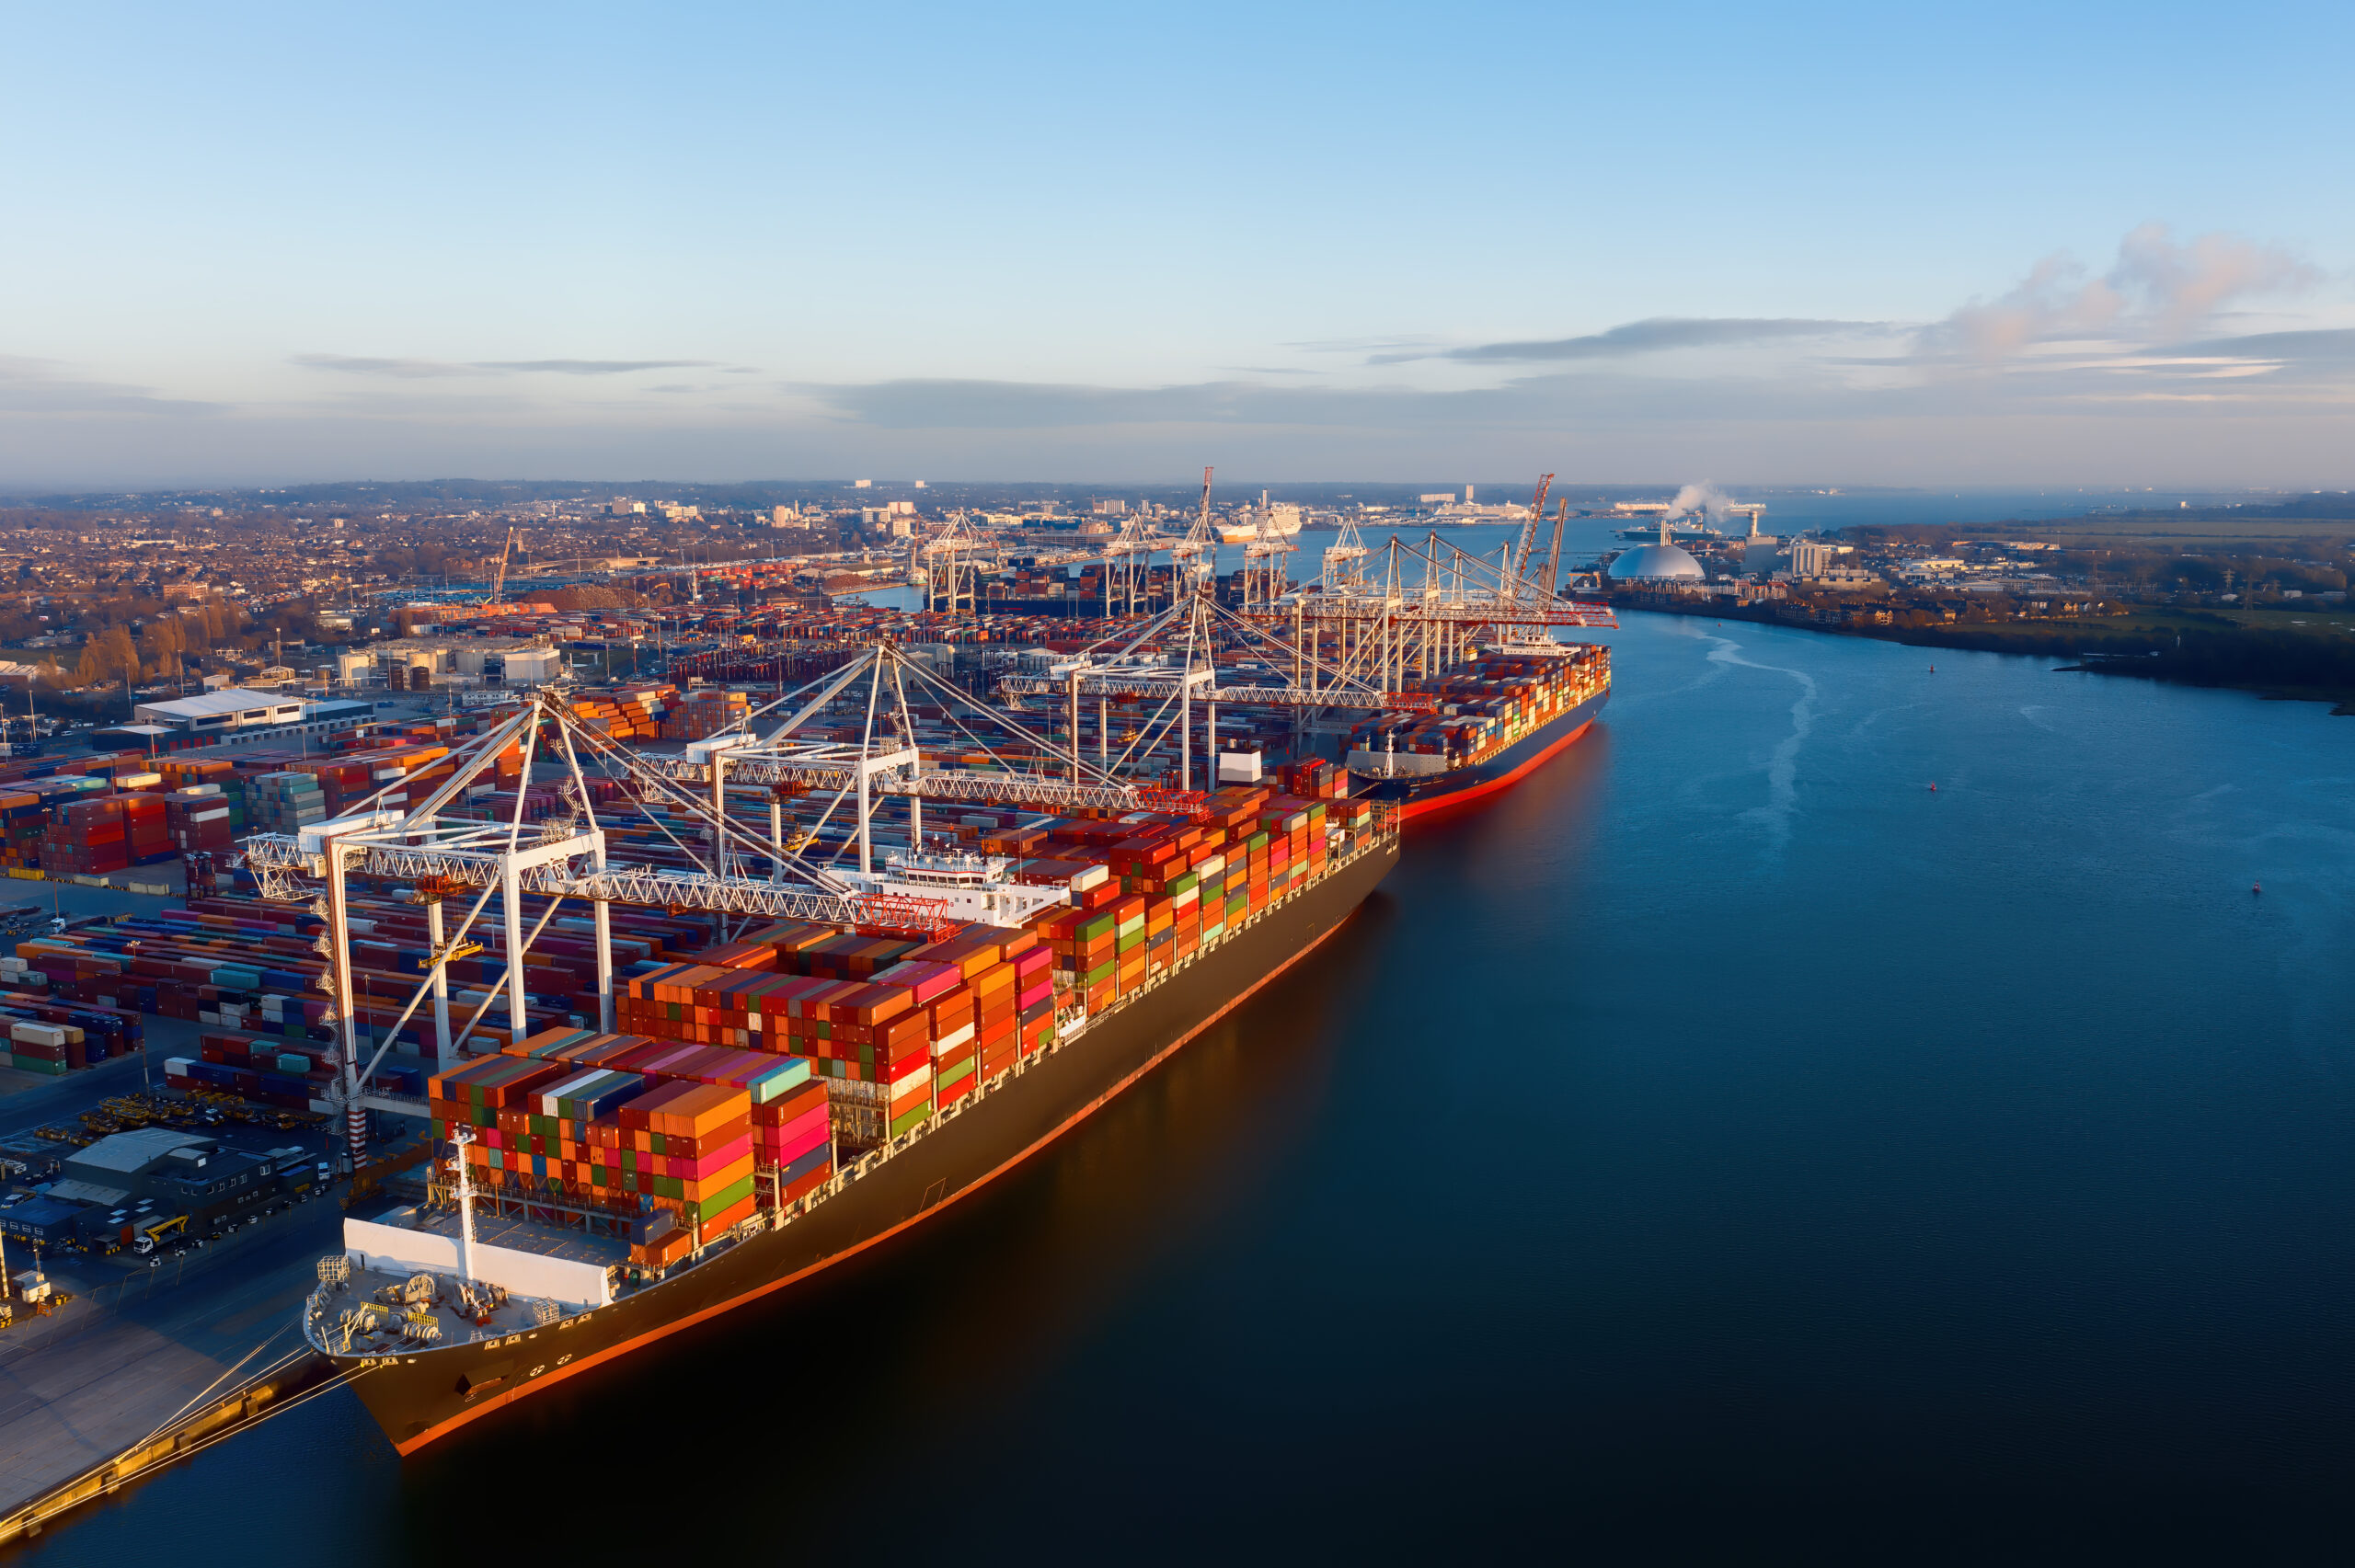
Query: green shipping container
[733,1194]
[911,1120]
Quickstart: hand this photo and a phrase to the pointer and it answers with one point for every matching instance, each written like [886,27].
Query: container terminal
[699,988]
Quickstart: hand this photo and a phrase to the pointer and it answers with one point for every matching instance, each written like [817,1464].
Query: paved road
[138,1344]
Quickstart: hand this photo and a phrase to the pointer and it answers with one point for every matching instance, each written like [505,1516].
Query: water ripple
[1782,764]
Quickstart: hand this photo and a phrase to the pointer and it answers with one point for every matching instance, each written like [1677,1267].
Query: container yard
[699,982]
[630,1120]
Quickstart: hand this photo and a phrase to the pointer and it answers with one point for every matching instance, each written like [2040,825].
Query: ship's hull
[1421,796]
[421,1397]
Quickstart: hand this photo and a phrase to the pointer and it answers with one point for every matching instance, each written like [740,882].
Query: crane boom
[499,582]
[1553,556]
[1529,537]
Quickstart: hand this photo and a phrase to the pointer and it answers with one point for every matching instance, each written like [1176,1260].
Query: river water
[1721,1146]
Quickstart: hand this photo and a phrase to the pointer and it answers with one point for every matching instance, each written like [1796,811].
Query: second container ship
[1500,716]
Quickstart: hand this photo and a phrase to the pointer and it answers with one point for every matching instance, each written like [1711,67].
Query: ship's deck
[397,1313]
[378,1310]
[518,1235]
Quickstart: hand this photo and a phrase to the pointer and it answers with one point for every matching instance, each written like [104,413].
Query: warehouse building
[238,716]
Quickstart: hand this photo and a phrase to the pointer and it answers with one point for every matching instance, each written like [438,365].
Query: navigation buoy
[2256,887]
[1934,789]
[1934,670]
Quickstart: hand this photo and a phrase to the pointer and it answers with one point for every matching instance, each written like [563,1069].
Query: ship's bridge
[967,886]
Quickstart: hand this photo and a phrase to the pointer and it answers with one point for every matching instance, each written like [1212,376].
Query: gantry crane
[570,857]
[1200,541]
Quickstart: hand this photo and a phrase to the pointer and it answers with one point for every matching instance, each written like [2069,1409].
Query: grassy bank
[2253,652]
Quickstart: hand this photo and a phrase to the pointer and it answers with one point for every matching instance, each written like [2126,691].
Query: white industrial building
[232,707]
[420,662]
[238,716]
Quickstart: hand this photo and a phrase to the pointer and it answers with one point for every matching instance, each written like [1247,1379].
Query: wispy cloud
[1392,344]
[590,367]
[1652,336]
[2175,351]
[2323,345]
[38,386]
[420,369]
[404,369]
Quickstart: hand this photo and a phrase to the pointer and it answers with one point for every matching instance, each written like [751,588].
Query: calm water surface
[1723,1147]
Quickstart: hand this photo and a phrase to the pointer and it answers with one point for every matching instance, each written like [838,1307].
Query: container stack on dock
[44,1048]
[705,712]
[96,835]
[24,822]
[95,1031]
[285,802]
[200,817]
[624,715]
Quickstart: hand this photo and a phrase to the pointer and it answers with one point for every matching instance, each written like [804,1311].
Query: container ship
[806,1092]
[1499,716]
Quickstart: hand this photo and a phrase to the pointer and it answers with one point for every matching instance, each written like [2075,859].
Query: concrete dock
[137,1344]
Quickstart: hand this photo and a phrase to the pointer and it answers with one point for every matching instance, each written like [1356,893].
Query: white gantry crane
[730,869]
[949,566]
[1386,615]
[1174,659]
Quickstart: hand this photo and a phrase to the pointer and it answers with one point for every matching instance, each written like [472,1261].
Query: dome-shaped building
[1656,563]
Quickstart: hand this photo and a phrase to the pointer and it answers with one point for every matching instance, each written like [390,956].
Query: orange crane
[499,582]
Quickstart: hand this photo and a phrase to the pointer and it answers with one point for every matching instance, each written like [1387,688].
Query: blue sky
[1829,244]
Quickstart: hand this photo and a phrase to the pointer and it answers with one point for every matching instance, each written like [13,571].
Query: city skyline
[1834,247]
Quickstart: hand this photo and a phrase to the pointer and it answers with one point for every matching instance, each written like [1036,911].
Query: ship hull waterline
[419,1399]
[1418,797]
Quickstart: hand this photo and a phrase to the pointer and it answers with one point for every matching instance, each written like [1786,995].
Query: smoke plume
[1705,502]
